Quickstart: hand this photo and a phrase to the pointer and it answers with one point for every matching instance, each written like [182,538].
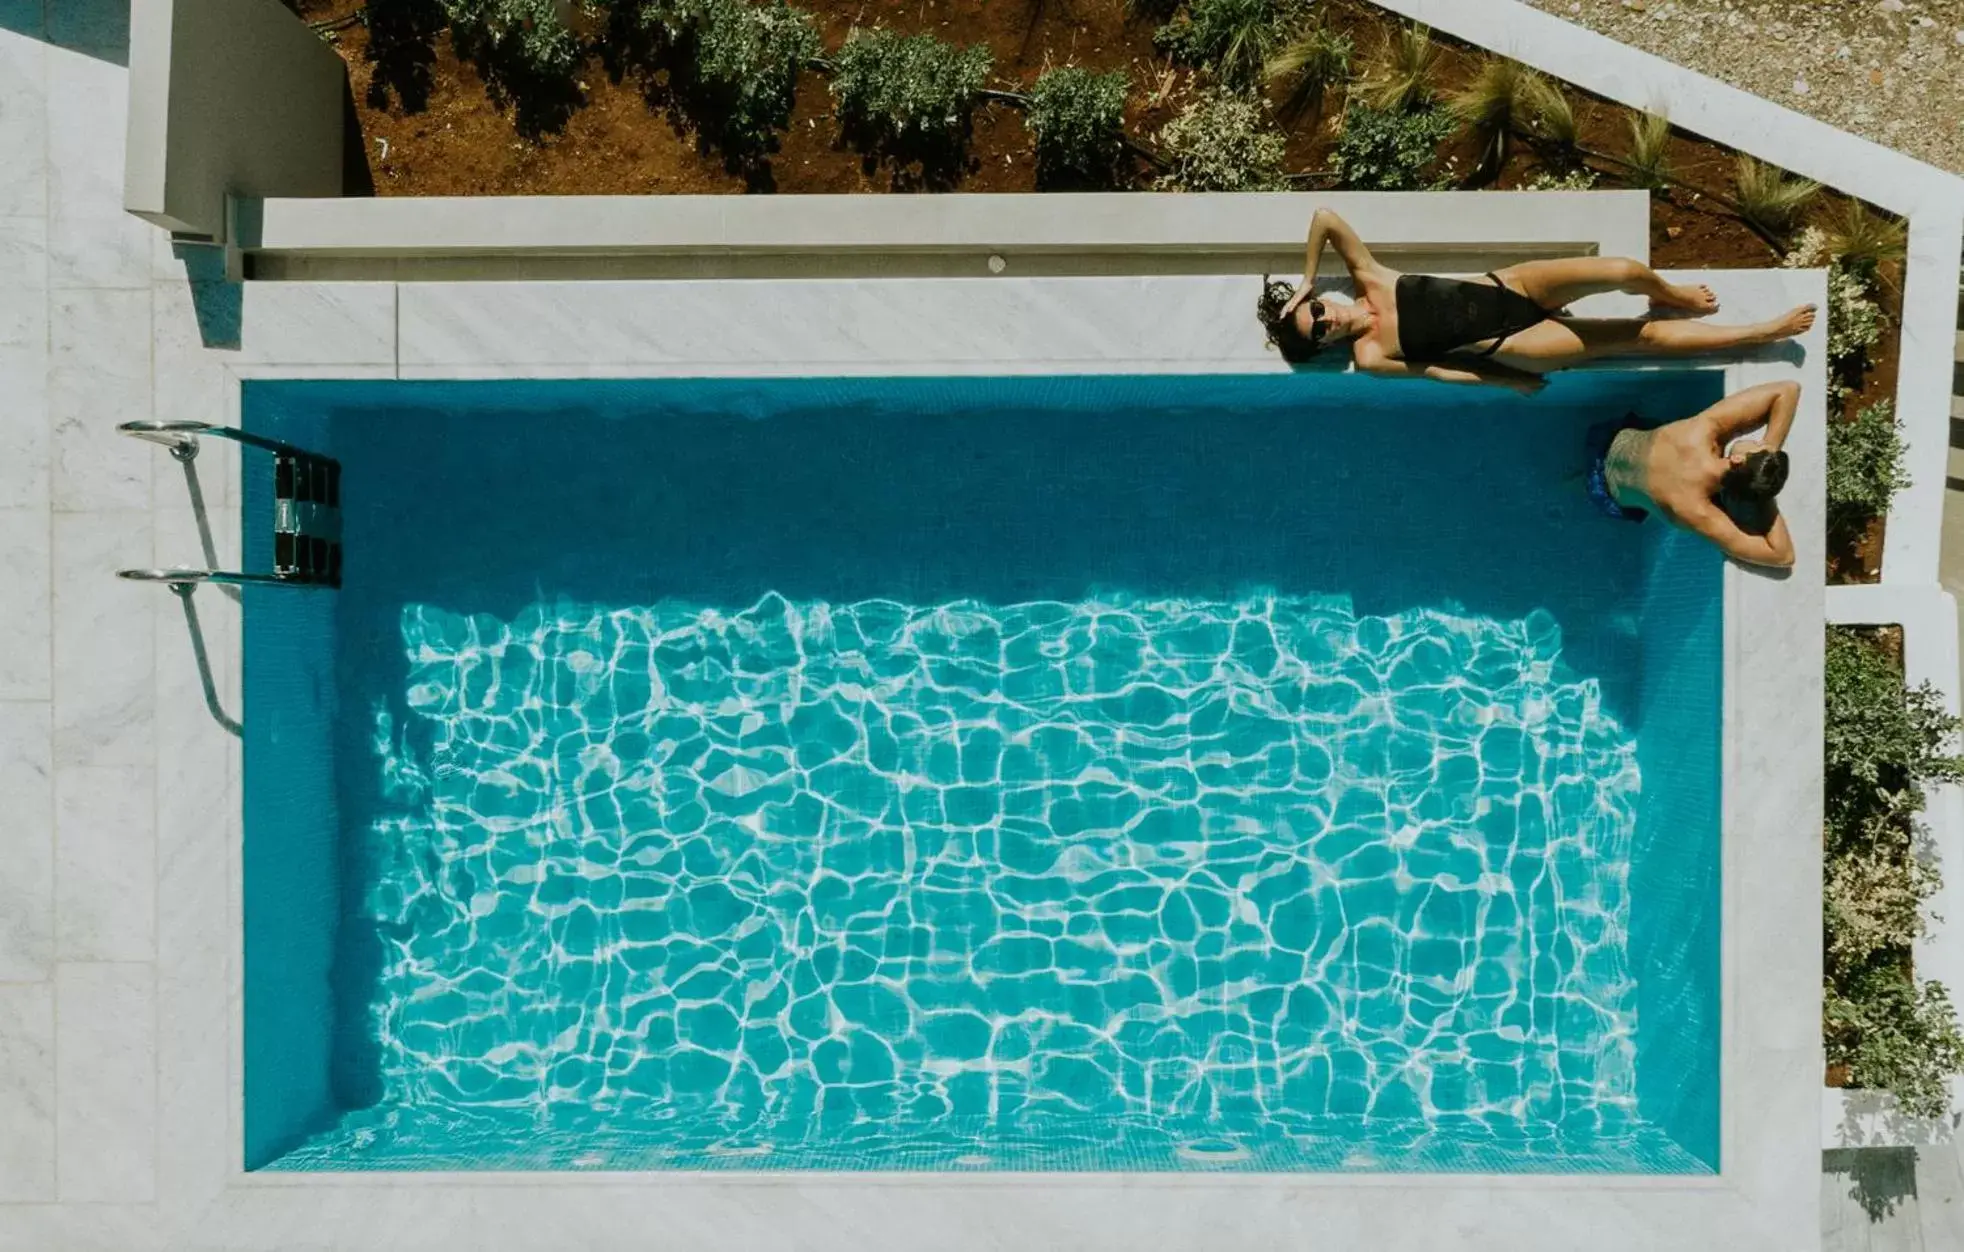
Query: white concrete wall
[227,96]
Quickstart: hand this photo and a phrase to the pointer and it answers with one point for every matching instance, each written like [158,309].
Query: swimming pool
[1277,773]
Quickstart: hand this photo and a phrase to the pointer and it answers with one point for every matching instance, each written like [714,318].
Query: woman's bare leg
[1558,344]
[1558,284]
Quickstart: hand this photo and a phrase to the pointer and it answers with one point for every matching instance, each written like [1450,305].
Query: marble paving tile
[85,1228]
[104,641]
[97,248]
[23,281]
[98,376]
[105,1082]
[27,848]
[27,1093]
[23,125]
[26,671]
[87,116]
[24,471]
[105,863]
[198,836]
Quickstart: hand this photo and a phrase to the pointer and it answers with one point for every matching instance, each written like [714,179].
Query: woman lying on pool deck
[1685,471]
[1508,328]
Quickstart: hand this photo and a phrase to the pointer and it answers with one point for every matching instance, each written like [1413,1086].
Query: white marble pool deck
[119,871]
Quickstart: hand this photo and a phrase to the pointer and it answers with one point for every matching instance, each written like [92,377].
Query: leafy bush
[1077,119]
[1221,142]
[1865,464]
[1389,149]
[1312,62]
[1233,39]
[1874,902]
[913,93]
[528,57]
[1577,179]
[1884,742]
[1854,320]
[1895,1034]
[1768,197]
[733,67]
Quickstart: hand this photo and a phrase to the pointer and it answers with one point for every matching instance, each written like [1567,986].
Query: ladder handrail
[184,579]
[180,433]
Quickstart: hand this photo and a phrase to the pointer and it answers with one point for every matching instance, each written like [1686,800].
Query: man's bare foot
[1699,300]
[1796,321]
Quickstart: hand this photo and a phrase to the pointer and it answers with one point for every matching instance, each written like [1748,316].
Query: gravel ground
[1890,70]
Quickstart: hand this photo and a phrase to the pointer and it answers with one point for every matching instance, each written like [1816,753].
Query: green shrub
[1873,901]
[1894,1034]
[1865,464]
[1232,39]
[1882,740]
[1389,149]
[529,59]
[1077,119]
[912,93]
[733,67]
[1883,743]
[1577,179]
[1221,142]
[1854,319]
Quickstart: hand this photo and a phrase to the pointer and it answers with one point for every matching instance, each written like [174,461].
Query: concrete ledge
[1159,230]
[1928,617]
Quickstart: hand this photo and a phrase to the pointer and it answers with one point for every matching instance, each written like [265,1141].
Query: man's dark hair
[1758,479]
[1291,343]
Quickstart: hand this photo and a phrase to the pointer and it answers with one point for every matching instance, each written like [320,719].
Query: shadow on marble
[187,597]
[218,302]
[1878,1180]
[94,28]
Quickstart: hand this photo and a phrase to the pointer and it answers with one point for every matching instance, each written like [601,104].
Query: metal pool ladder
[306,510]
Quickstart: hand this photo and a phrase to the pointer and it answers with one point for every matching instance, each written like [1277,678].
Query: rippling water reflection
[1113,885]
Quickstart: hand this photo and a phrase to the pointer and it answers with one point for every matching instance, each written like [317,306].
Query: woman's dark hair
[1290,342]
[1758,479]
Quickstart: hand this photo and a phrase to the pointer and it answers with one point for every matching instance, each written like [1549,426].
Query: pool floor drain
[740,1149]
[1212,1151]
[974,1158]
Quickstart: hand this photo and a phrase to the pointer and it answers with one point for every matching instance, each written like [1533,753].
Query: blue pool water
[1205,773]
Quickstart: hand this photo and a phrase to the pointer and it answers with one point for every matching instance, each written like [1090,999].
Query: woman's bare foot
[1698,300]
[1795,321]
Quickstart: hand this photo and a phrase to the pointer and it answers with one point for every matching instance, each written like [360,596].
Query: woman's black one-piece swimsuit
[1438,315]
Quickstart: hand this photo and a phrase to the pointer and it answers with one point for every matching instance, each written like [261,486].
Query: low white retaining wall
[1021,232]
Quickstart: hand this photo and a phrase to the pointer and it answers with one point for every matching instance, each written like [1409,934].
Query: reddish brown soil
[616,144]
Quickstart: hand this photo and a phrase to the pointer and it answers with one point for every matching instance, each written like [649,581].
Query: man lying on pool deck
[1685,471]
